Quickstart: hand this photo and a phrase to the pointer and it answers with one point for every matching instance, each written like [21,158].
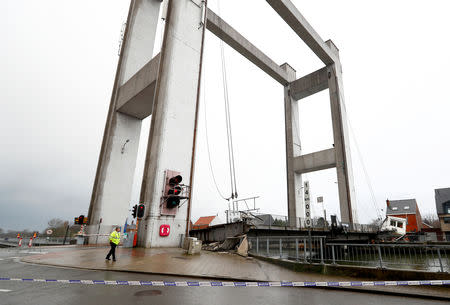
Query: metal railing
[315,249]
[392,256]
[318,223]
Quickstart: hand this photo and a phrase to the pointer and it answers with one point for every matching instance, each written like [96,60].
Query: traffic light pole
[65,235]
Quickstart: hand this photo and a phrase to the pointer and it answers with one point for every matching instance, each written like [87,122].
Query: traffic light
[140,211]
[134,211]
[81,219]
[173,192]
[75,221]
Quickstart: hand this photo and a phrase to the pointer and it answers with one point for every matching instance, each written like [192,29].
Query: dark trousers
[112,251]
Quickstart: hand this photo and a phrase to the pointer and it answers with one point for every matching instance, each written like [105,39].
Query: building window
[400,224]
[447,207]
[446,219]
[406,207]
[393,223]
[394,208]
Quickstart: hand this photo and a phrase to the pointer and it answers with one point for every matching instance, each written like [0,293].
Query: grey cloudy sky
[58,60]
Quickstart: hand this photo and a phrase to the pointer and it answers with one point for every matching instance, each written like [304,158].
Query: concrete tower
[166,86]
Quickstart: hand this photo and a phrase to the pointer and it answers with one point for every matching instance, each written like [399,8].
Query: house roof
[441,196]
[204,220]
[402,207]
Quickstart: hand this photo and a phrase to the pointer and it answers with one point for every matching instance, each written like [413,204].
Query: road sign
[320,199]
[307,205]
[49,232]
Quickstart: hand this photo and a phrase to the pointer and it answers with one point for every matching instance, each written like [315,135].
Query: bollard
[296,249]
[267,246]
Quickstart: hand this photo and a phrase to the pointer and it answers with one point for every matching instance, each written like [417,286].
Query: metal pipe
[257,245]
[440,260]
[380,257]
[321,251]
[281,251]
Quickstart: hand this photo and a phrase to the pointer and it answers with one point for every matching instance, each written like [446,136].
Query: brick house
[407,209]
[442,197]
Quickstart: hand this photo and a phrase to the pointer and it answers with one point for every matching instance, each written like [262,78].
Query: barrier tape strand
[236,284]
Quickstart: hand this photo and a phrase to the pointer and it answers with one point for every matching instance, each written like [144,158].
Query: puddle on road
[148,293]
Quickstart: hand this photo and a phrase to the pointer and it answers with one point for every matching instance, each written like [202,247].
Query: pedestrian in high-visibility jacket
[114,240]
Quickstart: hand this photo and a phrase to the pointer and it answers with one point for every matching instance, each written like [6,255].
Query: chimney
[388,203]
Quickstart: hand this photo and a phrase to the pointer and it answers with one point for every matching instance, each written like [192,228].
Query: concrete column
[171,139]
[293,149]
[341,140]
[111,193]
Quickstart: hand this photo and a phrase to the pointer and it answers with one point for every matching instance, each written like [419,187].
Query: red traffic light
[140,211]
[176,190]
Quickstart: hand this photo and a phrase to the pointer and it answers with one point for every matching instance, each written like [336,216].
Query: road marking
[5,290]
[235,284]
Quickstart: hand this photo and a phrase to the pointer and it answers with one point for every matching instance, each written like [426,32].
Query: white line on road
[5,290]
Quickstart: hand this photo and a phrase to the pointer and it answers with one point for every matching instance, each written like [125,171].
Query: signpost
[320,200]
[307,205]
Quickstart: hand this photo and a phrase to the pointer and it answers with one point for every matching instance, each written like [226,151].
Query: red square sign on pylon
[164,230]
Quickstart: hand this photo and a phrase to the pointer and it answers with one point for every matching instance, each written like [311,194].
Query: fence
[316,250]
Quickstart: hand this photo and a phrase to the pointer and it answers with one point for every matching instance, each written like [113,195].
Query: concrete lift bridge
[167,86]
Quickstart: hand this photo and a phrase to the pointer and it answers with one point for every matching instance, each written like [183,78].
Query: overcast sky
[57,64]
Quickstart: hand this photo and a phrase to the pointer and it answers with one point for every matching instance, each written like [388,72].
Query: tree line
[58,226]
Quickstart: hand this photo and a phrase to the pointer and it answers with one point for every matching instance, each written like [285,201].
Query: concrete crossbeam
[224,31]
[135,97]
[310,84]
[315,161]
[290,14]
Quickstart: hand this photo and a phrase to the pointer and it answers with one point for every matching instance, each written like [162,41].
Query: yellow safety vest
[114,237]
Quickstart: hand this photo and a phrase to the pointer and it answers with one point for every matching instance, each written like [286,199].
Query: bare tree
[376,222]
[432,220]
[58,226]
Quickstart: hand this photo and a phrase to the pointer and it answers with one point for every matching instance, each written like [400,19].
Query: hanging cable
[366,175]
[232,168]
[207,138]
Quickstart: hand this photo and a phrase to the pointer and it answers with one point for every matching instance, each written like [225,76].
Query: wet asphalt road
[22,293]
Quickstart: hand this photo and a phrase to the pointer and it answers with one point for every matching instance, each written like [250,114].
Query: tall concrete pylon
[166,86]
[113,183]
